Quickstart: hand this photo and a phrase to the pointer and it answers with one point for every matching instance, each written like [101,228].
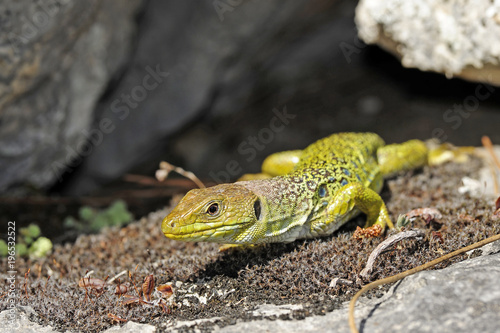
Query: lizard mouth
[201,231]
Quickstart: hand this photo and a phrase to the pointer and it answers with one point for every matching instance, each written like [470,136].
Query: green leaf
[34,231]
[28,240]
[70,222]
[21,250]
[100,221]
[87,213]
[118,213]
[118,206]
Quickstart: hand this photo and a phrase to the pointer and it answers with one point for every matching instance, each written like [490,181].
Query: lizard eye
[256,208]
[213,209]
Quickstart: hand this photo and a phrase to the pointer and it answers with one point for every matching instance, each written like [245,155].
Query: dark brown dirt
[230,284]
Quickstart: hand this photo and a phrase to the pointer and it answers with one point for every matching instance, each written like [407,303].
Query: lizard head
[224,213]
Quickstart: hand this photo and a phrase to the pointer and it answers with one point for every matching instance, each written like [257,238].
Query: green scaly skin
[307,193]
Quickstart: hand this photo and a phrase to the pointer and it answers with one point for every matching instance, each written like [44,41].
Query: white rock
[456,37]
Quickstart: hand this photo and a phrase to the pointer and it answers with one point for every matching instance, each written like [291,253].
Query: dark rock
[57,57]
[215,56]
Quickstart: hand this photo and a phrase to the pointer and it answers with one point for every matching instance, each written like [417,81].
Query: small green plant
[90,219]
[40,247]
[29,243]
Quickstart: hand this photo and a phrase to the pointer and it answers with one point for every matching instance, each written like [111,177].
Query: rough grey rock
[461,298]
[132,327]
[457,38]
[16,320]
[56,58]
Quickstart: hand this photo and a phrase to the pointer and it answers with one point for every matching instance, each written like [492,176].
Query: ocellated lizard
[304,193]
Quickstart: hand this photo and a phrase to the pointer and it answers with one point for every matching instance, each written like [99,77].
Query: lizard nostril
[172,224]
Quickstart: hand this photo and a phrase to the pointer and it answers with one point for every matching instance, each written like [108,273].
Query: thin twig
[394,278]
[131,277]
[365,273]
[45,288]
[166,168]
[26,278]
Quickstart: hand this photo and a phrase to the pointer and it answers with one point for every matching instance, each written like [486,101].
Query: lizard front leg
[342,207]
